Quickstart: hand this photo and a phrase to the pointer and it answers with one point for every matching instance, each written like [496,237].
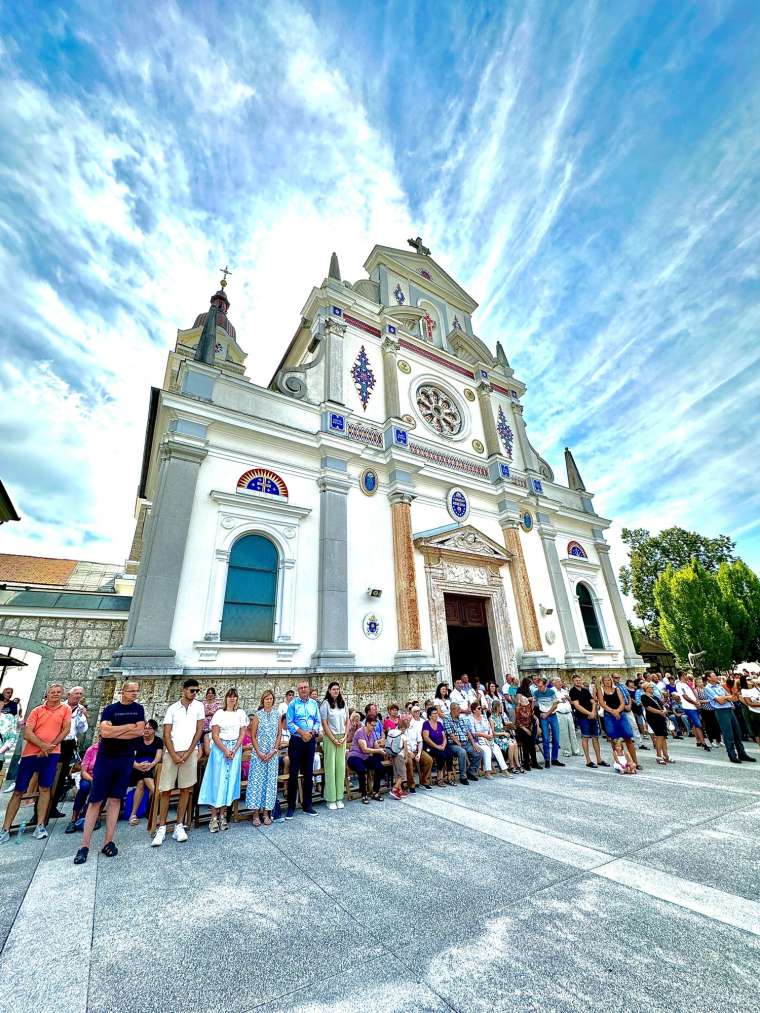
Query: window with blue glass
[249,599]
[590,621]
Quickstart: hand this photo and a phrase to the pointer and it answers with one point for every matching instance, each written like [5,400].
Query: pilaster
[573,656]
[632,659]
[148,634]
[485,392]
[389,348]
[334,334]
[332,586]
[410,652]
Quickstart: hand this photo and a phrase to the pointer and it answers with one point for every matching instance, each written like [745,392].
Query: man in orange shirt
[45,729]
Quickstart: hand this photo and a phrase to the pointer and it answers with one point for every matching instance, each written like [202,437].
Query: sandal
[266,819]
[376,796]
[255,820]
[365,799]
[133,821]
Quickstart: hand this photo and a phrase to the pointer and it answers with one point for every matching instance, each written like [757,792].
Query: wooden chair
[171,816]
[30,796]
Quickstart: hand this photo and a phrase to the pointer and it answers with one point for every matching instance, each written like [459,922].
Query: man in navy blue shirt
[121,728]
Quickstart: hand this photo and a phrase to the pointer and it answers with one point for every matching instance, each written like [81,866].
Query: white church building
[377,512]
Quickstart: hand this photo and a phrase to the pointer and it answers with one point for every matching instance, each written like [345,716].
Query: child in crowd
[396,748]
[620,761]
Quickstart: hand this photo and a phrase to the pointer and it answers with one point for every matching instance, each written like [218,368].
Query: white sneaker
[333,806]
[339,804]
[40,832]
[4,836]
[158,838]
[179,834]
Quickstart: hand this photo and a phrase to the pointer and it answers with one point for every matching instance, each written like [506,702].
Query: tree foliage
[739,588]
[636,634]
[692,616]
[651,555]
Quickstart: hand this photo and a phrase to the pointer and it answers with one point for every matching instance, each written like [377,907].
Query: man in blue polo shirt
[723,706]
[304,723]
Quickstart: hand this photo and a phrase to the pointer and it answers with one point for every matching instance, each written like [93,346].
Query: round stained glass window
[439,411]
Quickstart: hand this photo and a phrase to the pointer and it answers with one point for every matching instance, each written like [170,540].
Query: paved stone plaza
[563,890]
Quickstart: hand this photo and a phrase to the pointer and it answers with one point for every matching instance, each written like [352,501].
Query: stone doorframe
[465,561]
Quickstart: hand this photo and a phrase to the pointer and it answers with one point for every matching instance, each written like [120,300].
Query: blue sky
[590,172]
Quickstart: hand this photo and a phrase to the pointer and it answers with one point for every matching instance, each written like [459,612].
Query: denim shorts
[589,727]
[617,728]
[692,716]
[110,777]
[42,766]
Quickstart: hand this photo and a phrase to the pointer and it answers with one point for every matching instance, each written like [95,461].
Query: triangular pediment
[411,264]
[464,540]
[469,348]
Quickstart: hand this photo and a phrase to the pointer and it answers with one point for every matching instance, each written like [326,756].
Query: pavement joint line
[702,784]
[717,905]
[387,951]
[709,902]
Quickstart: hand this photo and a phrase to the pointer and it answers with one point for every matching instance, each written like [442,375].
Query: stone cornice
[249,502]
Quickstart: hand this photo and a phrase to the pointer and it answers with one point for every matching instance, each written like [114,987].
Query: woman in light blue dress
[221,782]
[265,732]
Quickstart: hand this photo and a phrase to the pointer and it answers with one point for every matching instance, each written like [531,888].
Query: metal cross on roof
[225,272]
[417,245]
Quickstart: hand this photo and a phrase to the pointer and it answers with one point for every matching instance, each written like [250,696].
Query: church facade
[377,513]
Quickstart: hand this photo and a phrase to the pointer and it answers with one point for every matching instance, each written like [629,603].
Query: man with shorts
[585,707]
[183,727]
[690,707]
[46,727]
[121,728]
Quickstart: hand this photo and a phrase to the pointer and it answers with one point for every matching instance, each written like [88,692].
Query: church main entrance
[469,640]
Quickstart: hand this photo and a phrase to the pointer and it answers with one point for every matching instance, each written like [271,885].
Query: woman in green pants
[334,714]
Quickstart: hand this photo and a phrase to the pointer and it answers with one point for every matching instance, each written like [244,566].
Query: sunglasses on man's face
[192,689]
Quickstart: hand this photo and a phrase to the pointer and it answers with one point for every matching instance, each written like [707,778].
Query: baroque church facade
[377,513]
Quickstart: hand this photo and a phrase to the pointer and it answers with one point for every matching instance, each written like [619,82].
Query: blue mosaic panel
[337,311]
[504,469]
[399,294]
[400,437]
[538,487]
[505,432]
[363,377]
[337,422]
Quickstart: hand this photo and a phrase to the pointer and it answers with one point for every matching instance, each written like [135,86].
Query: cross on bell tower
[417,245]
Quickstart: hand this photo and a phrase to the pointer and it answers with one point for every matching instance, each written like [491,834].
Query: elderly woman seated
[365,756]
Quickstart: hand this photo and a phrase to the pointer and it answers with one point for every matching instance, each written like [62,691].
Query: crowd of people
[465,732]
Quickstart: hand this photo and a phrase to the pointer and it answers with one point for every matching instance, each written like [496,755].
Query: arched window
[249,599]
[590,621]
[576,549]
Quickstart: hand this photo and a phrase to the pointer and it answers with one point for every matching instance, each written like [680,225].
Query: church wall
[505,404]
[221,471]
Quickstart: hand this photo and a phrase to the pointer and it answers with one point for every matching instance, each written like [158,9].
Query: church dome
[222,303]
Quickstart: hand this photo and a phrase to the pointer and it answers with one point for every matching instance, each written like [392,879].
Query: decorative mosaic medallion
[404,366]
[426,274]
[505,432]
[262,480]
[458,504]
[469,394]
[439,411]
[526,521]
[409,421]
[576,549]
[399,294]
[372,625]
[368,481]
[364,378]
[477,446]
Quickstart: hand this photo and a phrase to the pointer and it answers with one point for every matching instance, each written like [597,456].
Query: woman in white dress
[483,731]
[221,782]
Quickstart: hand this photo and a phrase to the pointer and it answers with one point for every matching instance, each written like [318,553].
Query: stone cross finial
[417,245]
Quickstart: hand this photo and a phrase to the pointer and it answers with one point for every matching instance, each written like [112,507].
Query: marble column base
[329,660]
[531,660]
[415,661]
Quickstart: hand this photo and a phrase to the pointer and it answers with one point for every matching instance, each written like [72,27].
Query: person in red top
[46,727]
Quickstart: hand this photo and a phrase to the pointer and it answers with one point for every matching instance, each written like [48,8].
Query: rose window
[439,410]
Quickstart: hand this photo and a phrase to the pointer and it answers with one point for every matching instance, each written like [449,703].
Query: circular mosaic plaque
[469,394]
[368,481]
[477,446]
[458,504]
[404,366]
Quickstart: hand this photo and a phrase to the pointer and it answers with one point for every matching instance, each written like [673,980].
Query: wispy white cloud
[590,174]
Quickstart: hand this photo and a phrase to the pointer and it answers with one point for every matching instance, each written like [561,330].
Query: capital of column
[400,497]
[389,346]
[333,483]
[484,389]
[334,326]
[179,449]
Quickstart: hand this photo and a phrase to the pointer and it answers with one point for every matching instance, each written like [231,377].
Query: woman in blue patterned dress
[265,732]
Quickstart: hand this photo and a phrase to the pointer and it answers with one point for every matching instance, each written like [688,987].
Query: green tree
[650,555]
[740,590]
[691,613]
[636,634]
